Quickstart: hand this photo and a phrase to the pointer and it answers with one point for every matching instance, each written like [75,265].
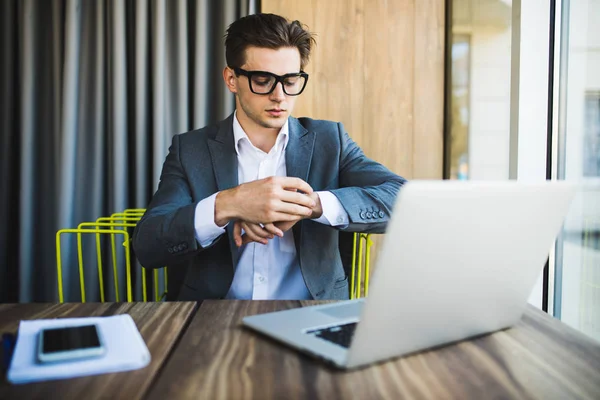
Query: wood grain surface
[160,325]
[540,358]
[378,67]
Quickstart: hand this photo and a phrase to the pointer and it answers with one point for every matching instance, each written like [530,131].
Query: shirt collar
[239,134]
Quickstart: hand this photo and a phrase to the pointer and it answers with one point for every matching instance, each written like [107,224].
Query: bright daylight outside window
[577,280]
[480,89]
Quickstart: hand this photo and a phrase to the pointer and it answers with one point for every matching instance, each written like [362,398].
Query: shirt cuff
[334,213]
[204,222]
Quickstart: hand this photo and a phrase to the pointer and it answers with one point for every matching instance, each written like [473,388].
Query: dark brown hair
[268,31]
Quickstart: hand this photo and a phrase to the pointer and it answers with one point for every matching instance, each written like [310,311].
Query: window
[479,101]
[577,272]
[591,138]
[459,130]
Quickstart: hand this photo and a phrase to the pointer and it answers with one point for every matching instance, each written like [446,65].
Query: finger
[273,229]
[297,198]
[291,183]
[250,237]
[285,226]
[256,233]
[283,217]
[292,209]
[257,230]
[237,233]
[246,239]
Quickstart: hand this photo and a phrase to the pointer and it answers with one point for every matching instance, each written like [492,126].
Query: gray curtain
[91,93]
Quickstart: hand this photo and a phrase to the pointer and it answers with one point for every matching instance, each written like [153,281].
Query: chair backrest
[361,265]
[123,223]
[112,226]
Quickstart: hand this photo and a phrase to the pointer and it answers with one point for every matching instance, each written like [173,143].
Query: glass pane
[459,160]
[480,89]
[577,284]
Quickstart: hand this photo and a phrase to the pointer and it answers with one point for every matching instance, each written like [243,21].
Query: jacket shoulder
[202,134]
[318,125]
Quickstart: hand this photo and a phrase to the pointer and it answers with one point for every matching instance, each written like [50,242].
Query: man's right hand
[264,201]
[258,233]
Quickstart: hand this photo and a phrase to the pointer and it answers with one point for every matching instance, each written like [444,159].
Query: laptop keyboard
[339,334]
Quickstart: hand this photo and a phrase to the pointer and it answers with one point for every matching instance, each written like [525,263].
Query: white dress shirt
[268,271]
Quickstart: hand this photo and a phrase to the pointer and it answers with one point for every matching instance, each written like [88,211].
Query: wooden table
[218,359]
[204,353]
[160,324]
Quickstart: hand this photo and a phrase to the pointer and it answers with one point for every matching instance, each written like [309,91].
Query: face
[269,111]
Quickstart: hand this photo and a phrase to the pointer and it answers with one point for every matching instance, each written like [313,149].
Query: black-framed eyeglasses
[263,82]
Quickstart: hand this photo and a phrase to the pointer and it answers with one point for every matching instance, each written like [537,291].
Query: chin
[274,122]
[274,126]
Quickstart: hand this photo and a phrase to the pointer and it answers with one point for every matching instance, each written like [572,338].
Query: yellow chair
[361,265]
[116,224]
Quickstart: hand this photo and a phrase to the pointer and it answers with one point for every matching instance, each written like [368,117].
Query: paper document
[125,350]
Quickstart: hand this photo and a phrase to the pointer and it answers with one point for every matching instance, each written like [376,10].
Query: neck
[261,137]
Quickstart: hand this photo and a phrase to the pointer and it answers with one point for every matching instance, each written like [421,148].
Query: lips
[276,112]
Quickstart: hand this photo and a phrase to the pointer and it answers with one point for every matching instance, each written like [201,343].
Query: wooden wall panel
[428,160]
[389,97]
[335,88]
[379,68]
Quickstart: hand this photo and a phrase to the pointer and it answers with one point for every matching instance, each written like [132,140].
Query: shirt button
[261,278]
[369,214]
[362,214]
[381,214]
[340,219]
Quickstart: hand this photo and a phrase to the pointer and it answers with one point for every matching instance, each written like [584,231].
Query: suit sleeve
[166,233]
[367,189]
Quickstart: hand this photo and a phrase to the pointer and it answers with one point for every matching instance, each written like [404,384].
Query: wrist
[223,212]
[317,209]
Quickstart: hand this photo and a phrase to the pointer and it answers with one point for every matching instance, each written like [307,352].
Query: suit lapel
[298,155]
[299,150]
[225,167]
[224,157]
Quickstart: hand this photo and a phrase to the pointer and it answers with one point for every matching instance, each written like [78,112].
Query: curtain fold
[91,93]
[9,100]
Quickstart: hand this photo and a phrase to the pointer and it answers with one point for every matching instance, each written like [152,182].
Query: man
[250,208]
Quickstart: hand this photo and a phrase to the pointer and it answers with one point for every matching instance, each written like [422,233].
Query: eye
[262,80]
[292,81]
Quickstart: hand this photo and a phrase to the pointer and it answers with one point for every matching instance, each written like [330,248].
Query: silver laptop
[459,259]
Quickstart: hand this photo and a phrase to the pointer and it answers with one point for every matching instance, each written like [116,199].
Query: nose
[277,94]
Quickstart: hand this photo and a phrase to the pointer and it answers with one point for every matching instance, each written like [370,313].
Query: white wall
[488,23]
[490,102]
[529,100]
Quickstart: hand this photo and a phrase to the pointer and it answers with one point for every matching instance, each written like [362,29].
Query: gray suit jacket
[204,161]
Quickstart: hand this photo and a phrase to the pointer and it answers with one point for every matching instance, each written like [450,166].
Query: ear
[230,79]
